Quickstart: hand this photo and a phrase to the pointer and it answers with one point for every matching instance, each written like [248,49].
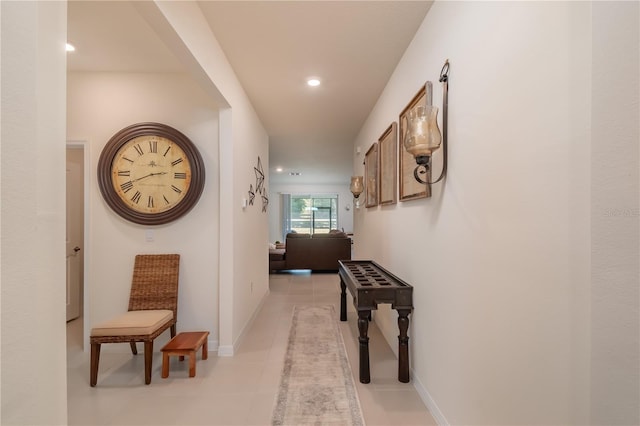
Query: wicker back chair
[153,308]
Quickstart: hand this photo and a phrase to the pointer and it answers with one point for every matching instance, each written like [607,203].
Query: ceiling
[352,47]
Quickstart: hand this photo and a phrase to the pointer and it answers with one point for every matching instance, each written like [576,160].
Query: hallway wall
[243,272]
[218,292]
[32,247]
[33,211]
[615,215]
[499,255]
[99,105]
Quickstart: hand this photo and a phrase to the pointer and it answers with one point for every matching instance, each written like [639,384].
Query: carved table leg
[343,301]
[363,327]
[403,345]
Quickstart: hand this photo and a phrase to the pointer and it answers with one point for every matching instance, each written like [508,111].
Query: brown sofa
[318,252]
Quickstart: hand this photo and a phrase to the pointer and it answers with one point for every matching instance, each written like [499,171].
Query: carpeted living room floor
[239,390]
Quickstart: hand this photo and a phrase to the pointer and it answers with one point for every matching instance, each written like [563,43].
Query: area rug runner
[317,387]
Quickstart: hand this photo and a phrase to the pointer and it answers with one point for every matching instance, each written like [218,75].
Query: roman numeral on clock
[179,175]
[178,161]
[126,186]
[150,202]
[136,197]
[124,172]
[175,188]
[153,146]
[138,149]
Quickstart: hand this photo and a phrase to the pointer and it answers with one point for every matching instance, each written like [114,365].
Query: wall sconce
[423,135]
[356,188]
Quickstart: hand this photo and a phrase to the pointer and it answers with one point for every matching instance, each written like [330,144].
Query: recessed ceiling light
[70,47]
[313,82]
[279,169]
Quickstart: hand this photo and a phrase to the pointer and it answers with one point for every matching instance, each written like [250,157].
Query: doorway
[75,247]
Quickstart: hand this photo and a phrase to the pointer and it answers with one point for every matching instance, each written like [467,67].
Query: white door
[75,229]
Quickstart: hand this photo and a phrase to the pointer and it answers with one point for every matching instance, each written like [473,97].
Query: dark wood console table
[370,284]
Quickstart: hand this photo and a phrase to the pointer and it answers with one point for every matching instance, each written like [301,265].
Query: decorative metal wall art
[260,187]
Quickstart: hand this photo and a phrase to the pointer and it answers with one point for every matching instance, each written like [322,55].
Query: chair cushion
[133,323]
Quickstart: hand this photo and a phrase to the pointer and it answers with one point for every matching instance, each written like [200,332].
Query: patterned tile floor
[238,390]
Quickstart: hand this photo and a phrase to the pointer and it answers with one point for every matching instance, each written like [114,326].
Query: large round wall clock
[150,173]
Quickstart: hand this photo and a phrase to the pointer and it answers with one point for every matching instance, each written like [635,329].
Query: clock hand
[150,174]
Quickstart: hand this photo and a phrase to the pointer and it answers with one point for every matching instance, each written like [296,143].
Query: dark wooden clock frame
[109,152]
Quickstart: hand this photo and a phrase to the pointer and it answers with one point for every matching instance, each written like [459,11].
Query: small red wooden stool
[185,344]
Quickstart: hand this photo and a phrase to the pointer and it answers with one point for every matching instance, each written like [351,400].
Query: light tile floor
[238,390]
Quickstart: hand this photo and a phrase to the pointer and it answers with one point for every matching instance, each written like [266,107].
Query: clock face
[150,173]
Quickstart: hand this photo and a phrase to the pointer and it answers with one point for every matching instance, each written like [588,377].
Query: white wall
[99,105]
[217,239]
[615,215]
[32,170]
[345,200]
[499,256]
[33,116]
[243,265]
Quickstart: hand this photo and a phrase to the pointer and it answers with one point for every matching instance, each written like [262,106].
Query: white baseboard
[225,350]
[428,401]
[389,332]
[212,345]
[229,350]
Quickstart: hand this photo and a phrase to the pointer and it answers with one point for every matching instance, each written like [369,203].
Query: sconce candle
[423,135]
[356,188]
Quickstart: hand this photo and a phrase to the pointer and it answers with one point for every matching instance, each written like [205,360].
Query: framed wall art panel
[371,171]
[388,146]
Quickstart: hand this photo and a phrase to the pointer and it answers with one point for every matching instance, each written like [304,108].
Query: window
[310,214]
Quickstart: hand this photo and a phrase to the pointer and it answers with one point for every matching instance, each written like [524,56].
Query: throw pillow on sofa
[331,234]
[296,235]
